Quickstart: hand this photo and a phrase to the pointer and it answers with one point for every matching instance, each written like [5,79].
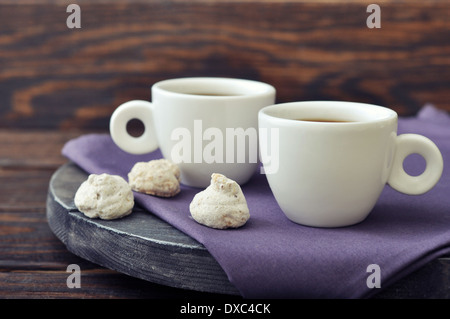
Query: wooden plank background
[58,83]
[53,77]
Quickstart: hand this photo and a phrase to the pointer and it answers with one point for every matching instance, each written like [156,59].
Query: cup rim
[183,87]
[373,113]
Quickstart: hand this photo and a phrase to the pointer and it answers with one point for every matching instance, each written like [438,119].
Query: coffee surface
[324,120]
[211,94]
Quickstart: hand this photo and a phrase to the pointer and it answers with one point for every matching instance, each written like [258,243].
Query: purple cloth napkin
[271,257]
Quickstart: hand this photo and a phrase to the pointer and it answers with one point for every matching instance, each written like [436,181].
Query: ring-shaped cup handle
[136,109]
[407,144]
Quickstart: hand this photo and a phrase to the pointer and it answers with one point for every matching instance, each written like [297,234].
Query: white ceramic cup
[189,119]
[331,174]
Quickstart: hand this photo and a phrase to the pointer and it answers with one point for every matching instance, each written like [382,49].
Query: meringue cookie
[158,177]
[221,205]
[104,196]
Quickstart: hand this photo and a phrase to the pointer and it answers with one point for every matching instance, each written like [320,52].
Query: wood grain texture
[27,161]
[55,77]
[32,149]
[33,264]
[55,82]
[33,261]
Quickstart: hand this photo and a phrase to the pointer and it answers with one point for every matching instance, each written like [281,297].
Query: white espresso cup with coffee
[336,157]
[204,124]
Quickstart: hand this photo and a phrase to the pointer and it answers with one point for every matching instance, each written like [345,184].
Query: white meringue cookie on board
[104,196]
[221,205]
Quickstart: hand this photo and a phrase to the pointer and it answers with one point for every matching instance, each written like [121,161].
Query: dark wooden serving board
[140,245]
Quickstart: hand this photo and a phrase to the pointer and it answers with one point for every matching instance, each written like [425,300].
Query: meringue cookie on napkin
[157,177]
[221,205]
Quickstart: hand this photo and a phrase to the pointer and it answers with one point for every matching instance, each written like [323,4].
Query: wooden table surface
[57,83]
[33,261]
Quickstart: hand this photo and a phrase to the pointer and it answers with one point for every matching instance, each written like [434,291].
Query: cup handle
[136,109]
[407,144]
